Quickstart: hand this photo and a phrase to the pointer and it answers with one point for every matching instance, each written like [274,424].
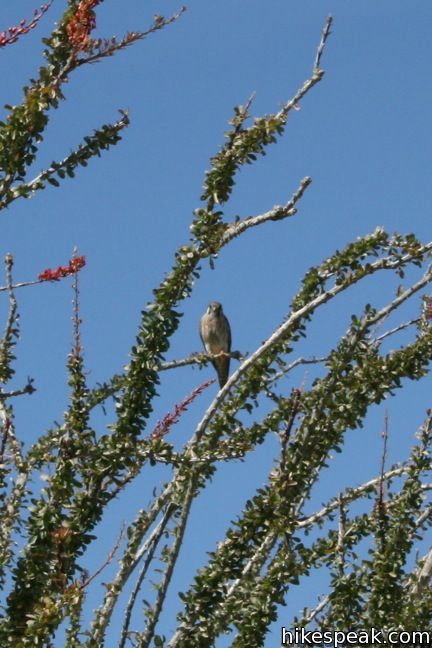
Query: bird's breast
[215,338]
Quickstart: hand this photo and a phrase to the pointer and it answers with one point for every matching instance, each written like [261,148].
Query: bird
[215,333]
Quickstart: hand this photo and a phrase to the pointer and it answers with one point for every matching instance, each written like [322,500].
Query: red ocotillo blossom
[74,266]
[162,427]
[82,24]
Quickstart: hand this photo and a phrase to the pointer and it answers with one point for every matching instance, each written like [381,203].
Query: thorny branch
[106,562]
[145,521]
[384,263]
[70,161]
[151,548]
[295,363]
[380,494]
[376,341]
[421,578]
[325,34]
[314,613]
[147,635]
[285,435]
[28,389]
[131,558]
[341,535]
[112,47]
[350,495]
[12,34]
[424,574]
[6,413]
[278,212]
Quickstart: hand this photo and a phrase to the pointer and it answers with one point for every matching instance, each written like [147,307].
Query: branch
[255,563]
[102,139]
[130,560]
[10,517]
[99,394]
[155,537]
[427,513]
[278,212]
[48,274]
[28,389]
[317,72]
[379,503]
[285,434]
[12,34]
[163,427]
[6,345]
[23,284]
[108,47]
[325,35]
[28,121]
[357,334]
[10,505]
[106,562]
[242,584]
[296,363]
[145,638]
[313,613]
[350,495]
[423,574]
[396,329]
[341,536]
[10,332]
[384,263]
[245,144]
[202,359]
[275,571]
[9,438]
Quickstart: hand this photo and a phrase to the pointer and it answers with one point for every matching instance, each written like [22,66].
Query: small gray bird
[215,334]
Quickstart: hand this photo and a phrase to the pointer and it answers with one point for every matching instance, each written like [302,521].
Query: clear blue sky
[363,134]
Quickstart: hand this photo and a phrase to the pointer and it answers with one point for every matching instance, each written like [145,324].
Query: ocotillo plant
[45,532]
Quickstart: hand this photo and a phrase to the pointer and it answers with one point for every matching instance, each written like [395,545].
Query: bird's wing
[228,330]
[202,326]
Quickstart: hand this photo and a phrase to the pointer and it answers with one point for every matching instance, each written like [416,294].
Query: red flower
[74,266]
[82,24]
[162,427]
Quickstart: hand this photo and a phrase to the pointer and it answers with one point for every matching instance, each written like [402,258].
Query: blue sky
[364,136]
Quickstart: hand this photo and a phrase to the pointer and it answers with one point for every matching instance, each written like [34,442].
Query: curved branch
[278,212]
[382,264]
[145,638]
[151,546]
[103,138]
